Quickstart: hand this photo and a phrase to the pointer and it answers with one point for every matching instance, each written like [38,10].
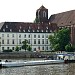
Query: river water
[55,69]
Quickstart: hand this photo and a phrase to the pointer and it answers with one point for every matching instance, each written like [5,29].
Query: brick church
[64,19]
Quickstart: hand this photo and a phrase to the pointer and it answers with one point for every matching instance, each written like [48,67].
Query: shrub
[69,48]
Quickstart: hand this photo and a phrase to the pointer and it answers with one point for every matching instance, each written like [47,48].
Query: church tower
[42,15]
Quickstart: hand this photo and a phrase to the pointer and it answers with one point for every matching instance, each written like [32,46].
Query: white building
[12,34]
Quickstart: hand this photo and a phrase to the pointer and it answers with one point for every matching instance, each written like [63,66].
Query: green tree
[68,48]
[53,41]
[60,39]
[25,44]
[63,36]
[57,47]
[36,20]
[17,48]
[29,48]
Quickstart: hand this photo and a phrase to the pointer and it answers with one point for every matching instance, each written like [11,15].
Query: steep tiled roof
[27,27]
[62,19]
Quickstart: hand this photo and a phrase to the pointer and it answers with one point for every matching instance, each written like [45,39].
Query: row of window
[43,48]
[39,41]
[29,36]
[8,42]
[30,30]
[8,48]
[13,48]
[40,36]
[7,35]
[44,15]
[29,41]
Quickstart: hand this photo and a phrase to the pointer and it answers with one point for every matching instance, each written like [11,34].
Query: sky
[25,10]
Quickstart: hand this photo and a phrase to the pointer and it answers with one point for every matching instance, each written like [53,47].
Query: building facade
[38,41]
[12,34]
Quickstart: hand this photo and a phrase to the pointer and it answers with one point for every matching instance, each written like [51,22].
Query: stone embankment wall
[24,55]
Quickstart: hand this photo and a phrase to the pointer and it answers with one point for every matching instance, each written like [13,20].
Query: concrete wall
[24,55]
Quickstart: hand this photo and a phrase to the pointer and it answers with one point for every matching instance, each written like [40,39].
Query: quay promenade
[50,55]
[10,55]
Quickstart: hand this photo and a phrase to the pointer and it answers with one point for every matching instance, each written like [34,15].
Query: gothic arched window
[44,13]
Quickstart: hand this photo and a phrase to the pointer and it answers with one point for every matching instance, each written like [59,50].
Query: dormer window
[42,30]
[20,27]
[49,23]
[46,30]
[28,30]
[37,30]
[42,22]
[6,26]
[19,30]
[46,27]
[10,30]
[23,30]
[4,30]
[38,27]
[62,27]
[50,30]
[33,31]
[59,27]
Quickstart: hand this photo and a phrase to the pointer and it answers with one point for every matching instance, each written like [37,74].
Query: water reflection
[57,69]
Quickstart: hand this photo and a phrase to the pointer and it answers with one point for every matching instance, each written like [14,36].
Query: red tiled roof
[62,19]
